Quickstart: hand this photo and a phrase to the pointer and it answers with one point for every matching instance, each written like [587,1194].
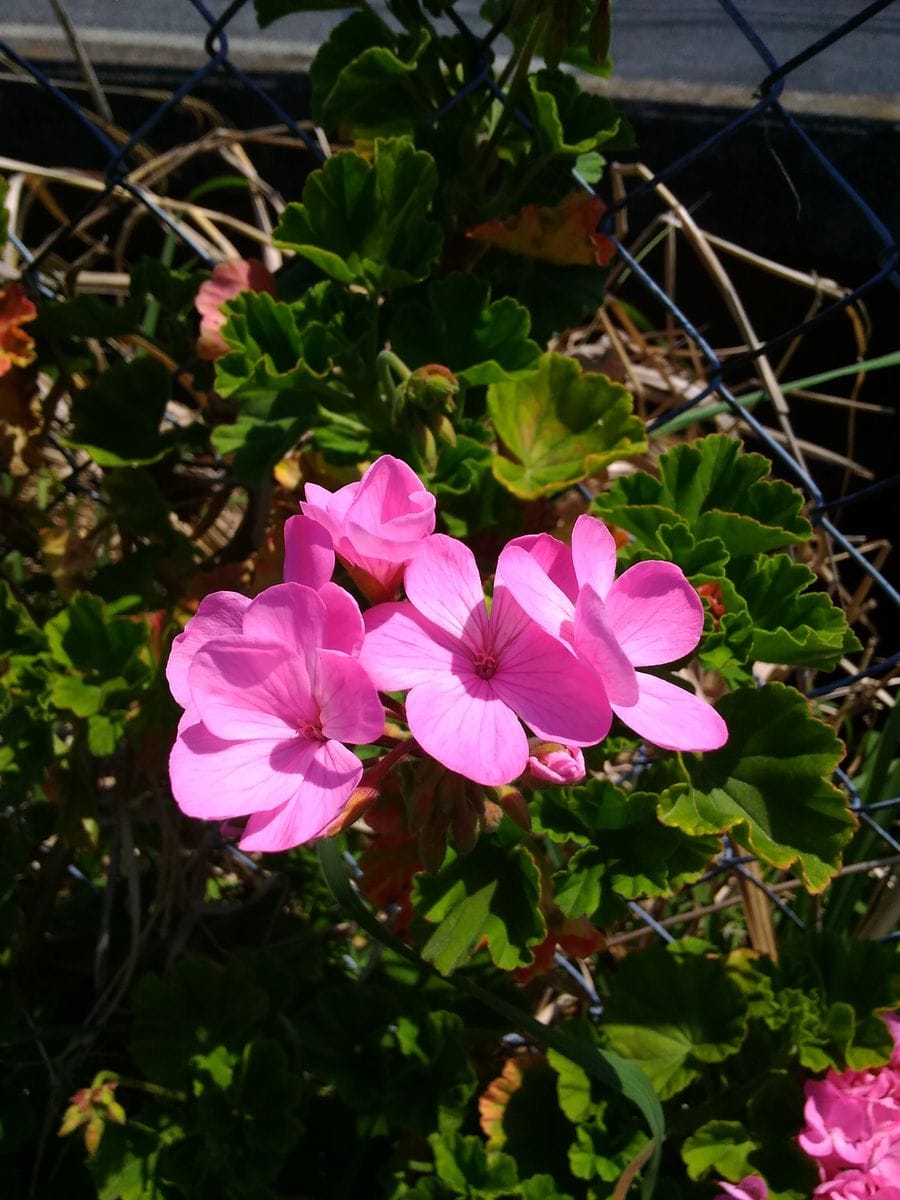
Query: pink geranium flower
[853,1129]
[647,617]
[472,675]
[228,280]
[750,1188]
[268,708]
[376,525]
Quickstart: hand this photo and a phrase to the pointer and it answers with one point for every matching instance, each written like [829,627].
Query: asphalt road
[686,41]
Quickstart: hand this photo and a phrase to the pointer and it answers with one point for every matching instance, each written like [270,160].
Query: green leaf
[560,426]
[717,491]
[467,1169]
[570,121]
[491,892]
[364,78]
[542,1187]
[271,352]
[104,648]
[832,990]
[117,418]
[769,785]
[19,635]
[103,734]
[594,1155]
[69,691]
[627,852]
[720,1146]
[256,445]
[126,1164]
[182,1019]
[673,1013]
[364,222]
[791,625]
[455,324]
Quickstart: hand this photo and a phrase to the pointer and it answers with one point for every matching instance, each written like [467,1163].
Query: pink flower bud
[551,762]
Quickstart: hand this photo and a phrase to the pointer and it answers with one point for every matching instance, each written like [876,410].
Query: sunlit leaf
[565,235]
[365,221]
[769,785]
[558,426]
[492,893]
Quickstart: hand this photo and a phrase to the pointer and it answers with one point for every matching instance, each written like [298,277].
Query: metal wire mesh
[118,174]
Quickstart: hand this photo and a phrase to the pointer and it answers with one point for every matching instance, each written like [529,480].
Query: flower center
[311,730]
[485,666]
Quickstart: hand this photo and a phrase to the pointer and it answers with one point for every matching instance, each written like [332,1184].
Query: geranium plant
[378,696]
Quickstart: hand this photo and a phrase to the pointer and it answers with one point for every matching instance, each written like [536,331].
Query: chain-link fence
[122,179]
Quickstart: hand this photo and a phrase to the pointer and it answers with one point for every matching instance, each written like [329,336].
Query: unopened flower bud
[552,762]
[431,387]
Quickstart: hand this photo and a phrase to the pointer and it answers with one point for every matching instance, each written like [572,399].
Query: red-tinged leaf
[16,310]
[574,936]
[493,1101]
[565,235]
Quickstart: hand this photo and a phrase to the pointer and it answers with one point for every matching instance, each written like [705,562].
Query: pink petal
[220,614]
[328,508]
[597,646]
[349,708]
[541,681]
[344,628]
[244,690]
[215,779]
[534,591]
[443,583]
[668,716]
[308,552]
[330,777]
[593,554]
[655,614]
[391,514]
[288,615]
[462,724]
[402,649]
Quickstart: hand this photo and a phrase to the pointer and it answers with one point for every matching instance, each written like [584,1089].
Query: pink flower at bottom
[853,1129]
[855,1185]
[228,280]
[269,710]
[750,1188]
[647,617]
[473,675]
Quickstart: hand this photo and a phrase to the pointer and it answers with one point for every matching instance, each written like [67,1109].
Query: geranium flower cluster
[853,1129]
[852,1133]
[276,690]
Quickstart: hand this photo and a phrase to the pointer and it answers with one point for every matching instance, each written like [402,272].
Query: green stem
[388,365]
[517,86]
[706,411]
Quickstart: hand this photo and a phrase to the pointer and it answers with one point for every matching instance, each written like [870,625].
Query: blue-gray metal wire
[213,37]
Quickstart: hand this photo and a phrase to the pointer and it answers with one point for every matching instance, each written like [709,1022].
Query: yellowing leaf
[559,425]
[565,235]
